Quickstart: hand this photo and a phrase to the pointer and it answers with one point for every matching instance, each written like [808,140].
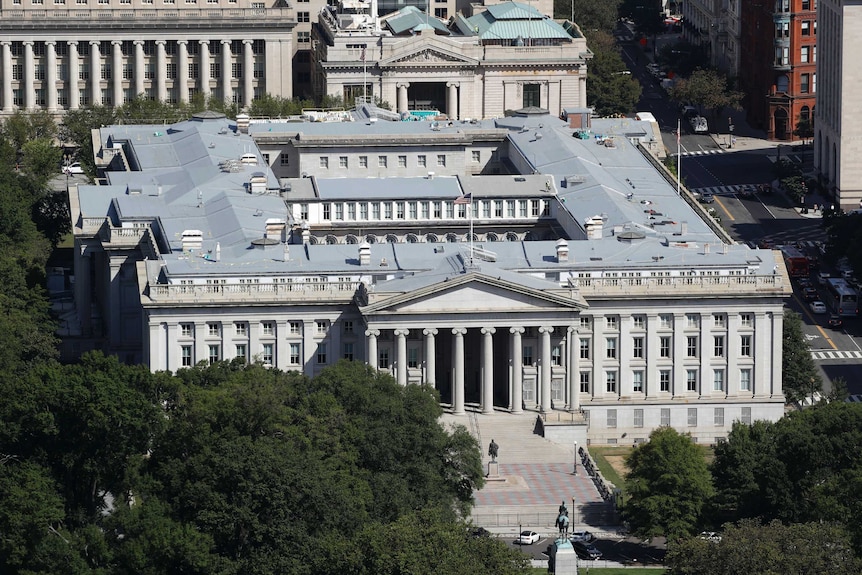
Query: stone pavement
[536,475]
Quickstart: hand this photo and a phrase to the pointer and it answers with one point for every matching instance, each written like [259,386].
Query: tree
[77,127]
[801,378]
[611,90]
[668,486]
[804,128]
[750,547]
[737,471]
[40,159]
[707,89]
[590,14]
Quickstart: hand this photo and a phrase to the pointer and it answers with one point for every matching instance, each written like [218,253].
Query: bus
[841,297]
[796,262]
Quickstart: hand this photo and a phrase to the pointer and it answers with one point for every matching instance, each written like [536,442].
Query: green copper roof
[411,19]
[512,20]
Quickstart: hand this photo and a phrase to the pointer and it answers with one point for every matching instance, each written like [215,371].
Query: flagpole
[364,73]
[678,158]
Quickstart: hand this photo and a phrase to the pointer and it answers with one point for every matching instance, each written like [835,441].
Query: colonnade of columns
[160,83]
[486,364]
[452,98]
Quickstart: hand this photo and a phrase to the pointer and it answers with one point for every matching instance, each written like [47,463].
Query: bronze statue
[493,449]
[563,509]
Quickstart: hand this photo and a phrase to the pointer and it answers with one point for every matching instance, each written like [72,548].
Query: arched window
[391,239]
[371,239]
[451,238]
[431,238]
[411,238]
[331,240]
[351,239]
[511,237]
[805,113]
[492,237]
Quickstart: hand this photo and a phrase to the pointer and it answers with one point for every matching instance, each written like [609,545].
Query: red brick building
[778,70]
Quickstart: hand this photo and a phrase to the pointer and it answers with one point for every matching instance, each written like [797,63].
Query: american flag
[464,199]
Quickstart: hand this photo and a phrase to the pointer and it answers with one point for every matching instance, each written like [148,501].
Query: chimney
[562,251]
[593,227]
[306,233]
[365,254]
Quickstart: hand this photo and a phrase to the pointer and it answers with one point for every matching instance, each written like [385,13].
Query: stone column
[117,71]
[372,335]
[680,344]
[545,393]
[452,100]
[95,74]
[226,60]
[731,352]
[139,67]
[74,72]
[183,70]
[161,71]
[517,398]
[248,72]
[572,375]
[458,368]
[401,357]
[488,369]
[402,98]
[775,358]
[205,68]
[7,76]
[29,77]
[51,74]
[652,343]
[705,353]
[430,356]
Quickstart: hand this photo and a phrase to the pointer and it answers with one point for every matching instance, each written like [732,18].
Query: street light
[574,513]
[575,471]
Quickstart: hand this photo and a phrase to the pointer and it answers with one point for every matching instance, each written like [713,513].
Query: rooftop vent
[364,254]
[192,240]
[562,251]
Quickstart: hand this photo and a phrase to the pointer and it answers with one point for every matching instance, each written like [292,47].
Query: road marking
[806,311]
[822,355]
[723,208]
[809,337]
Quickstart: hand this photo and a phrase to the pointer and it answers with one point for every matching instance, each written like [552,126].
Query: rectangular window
[805,54]
[584,343]
[241,352]
[422,161]
[342,162]
[321,353]
[294,354]
[556,356]
[719,319]
[745,380]
[638,347]
[351,211]
[186,329]
[639,417]
[584,322]
[664,346]
[268,355]
[612,418]
[383,359]
[612,322]
[611,348]
[186,356]
[527,356]
[691,347]
[348,351]
[363,211]
[303,16]
[399,210]
[664,380]
[665,321]
[476,156]
[692,417]
[327,211]
[441,160]
[718,347]
[268,327]
[745,345]
[665,417]
[806,27]
[213,329]
[214,354]
[531,95]
[718,380]
[691,379]
[804,83]
[387,210]
[611,381]
[585,381]
[638,381]
[402,161]
[303,37]
[295,327]
[746,416]
[413,357]
[381,161]
[363,161]
[638,321]
[692,320]
[284,159]
[321,326]
[347,327]
[719,417]
[746,319]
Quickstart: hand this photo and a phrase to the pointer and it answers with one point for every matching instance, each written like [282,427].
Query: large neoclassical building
[533,270]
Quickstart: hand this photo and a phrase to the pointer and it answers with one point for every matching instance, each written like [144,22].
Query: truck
[797,262]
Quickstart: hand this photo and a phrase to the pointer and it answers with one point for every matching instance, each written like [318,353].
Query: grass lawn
[614,570]
[611,473]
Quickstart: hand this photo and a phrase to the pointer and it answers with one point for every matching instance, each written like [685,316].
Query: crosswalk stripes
[704,152]
[718,190]
[854,398]
[821,355]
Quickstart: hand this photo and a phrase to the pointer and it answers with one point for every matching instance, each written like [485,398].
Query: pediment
[473,295]
[424,55]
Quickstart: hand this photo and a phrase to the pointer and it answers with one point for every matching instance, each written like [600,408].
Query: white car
[817,306]
[584,536]
[699,124]
[73,168]
[527,538]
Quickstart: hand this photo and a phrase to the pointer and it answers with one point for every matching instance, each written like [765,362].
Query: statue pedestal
[494,472]
[562,559]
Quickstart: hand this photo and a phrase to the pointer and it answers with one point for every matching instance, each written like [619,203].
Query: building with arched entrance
[505,56]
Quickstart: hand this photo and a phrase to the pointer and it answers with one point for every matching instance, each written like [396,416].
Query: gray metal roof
[411,19]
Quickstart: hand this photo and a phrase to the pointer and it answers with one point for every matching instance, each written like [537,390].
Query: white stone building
[578,284]
[63,55]
[506,56]
[838,115]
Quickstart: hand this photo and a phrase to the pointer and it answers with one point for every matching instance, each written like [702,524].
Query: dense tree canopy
[707,89]
[668,486]
[611,89]
[801,378]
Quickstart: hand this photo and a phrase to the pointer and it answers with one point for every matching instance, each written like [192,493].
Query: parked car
[822,277]
[73,168]
[746,192]
[706,198]
[583,536]
[527,538]
[481,532]
[586,550]
[817,306]
[835,320]
[810,294]
[804,282]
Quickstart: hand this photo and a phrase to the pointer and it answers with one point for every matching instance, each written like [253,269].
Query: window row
[427,210]
[665,347]
[267,328]
[692,321]
[128,48]
[664,381]
[691,417]
[266,354]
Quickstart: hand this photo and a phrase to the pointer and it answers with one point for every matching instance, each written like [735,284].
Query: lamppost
[730,132]
[67,160]
[575,470]
[574,513]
